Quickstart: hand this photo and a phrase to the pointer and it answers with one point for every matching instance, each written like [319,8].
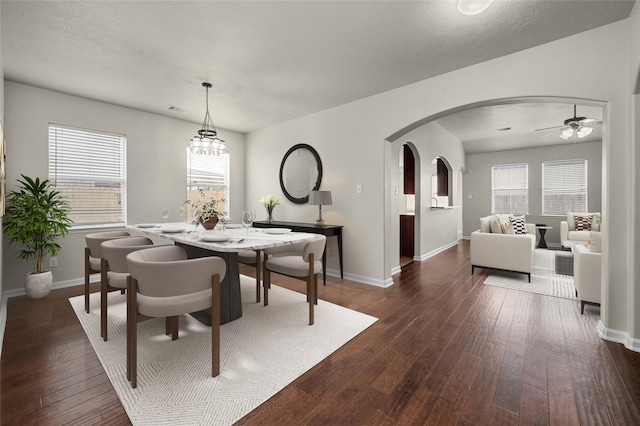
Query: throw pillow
[495,225]
[506,227]
[485,224]
[518,224]
[583,223]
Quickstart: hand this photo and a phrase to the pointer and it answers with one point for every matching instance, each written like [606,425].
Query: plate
[146,225]
[171,229]
[277,230]
[233,226]
[214,237]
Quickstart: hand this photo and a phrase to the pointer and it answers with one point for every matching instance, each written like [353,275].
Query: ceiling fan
[578,126]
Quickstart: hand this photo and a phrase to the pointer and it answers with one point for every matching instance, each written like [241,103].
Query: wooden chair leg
[311,287]
[215,325]
[171,327]
[133,327]
[103,299]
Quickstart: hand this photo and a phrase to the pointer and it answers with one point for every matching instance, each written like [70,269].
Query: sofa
[570,234]
[587,267]
[491,248]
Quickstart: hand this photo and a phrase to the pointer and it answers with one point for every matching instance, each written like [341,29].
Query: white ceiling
[272,61]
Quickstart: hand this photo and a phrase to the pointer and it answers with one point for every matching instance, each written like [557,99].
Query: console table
[312,228]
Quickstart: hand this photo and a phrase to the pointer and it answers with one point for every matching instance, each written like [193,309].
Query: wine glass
[165,213]
[181,211]
[247,219]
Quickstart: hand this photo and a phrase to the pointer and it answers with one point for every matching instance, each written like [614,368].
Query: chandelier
[207,142]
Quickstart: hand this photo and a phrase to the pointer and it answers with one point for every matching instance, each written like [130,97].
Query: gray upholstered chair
[92,256]
[164,283]
[302,261]
[114,270]
[253,258]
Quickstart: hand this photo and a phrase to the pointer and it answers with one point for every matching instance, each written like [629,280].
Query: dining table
[226,244]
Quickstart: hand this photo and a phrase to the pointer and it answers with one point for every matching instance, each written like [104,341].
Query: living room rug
[544,279]
[261,353]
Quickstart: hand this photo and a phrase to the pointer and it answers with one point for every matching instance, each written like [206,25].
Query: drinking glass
[181,211]
[165,213]
[247,219]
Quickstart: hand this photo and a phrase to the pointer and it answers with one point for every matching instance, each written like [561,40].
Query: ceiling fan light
[584,131]
[566,134]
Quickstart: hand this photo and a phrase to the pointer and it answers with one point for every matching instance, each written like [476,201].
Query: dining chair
[164,283]
[253,258]
[114,270]
[92,256]
[302,260]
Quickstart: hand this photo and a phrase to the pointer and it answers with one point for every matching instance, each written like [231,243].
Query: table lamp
[320,198]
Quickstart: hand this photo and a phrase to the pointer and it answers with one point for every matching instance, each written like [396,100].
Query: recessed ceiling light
[473,7]
[175,108]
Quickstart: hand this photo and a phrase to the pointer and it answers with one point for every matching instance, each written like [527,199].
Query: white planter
[38,286]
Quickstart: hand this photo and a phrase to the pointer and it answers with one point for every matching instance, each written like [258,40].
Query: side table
[543,230]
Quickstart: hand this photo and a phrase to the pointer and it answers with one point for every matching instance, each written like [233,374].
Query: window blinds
[510,188]
[564,186]
[88,168]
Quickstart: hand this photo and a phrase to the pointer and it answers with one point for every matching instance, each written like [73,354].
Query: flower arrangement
[269,202]
[203,209]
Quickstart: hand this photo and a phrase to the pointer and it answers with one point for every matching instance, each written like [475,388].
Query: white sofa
[587,267]
[509,252]
[569,236]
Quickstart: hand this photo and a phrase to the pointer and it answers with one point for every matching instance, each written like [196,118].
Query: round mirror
[300,173]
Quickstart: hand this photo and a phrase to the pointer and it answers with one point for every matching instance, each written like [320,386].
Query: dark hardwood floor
[446,350]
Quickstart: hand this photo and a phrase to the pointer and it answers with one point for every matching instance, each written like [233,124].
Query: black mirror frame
[305,199]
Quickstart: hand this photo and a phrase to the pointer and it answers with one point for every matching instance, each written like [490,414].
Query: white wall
[634,84]
[351,142]
[156,162]
[477,182]
[437,228]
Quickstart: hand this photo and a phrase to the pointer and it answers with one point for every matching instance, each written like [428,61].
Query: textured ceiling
[269,61]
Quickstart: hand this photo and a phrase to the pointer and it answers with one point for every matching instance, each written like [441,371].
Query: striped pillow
[518,224]
[583,223]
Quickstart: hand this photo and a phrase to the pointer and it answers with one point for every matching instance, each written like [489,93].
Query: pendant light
[207,142]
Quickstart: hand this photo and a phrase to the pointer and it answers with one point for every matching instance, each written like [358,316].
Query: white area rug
[544,279]
[261,353]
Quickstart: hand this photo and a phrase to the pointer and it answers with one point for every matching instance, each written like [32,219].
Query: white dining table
[197,242]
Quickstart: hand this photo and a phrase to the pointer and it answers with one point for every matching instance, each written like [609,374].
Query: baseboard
[362,279]
[436,251]
[618,336]
[3,320]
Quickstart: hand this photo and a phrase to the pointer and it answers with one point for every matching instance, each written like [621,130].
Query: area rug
[261,353]
[544,279]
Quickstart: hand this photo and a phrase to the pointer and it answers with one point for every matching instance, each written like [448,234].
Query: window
[211,174]
[564,187]
[88,168]
[510,189]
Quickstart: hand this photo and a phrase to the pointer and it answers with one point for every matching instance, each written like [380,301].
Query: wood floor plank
[446,349]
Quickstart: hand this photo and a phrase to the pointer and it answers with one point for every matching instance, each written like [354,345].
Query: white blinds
[207,170]
[510,188]
[88,168]
[564,186]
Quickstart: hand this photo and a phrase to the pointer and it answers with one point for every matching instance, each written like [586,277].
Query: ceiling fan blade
[590,122]
[549,128]
[554,132]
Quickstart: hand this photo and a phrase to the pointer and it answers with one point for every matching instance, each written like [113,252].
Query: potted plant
[36,215]
[206,212]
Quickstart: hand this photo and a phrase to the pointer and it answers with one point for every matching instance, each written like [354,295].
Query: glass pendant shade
[206,142]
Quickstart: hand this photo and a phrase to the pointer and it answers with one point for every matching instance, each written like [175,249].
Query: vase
[270,216]
[210,223]
[38,286]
